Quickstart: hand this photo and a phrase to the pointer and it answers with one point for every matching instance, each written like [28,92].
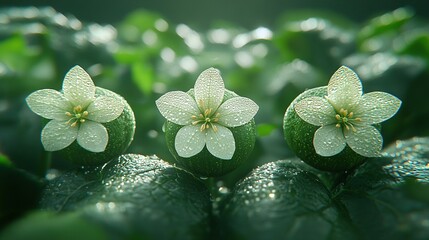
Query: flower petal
[237,111]
[92,136]
[344,88]
[189,141]
[220,143]
[177,107]
[104,109]
[366,141]
[329,140]
[209,89]
[57,135]
[376,107]
[316,111]
[49,104]
[78,87]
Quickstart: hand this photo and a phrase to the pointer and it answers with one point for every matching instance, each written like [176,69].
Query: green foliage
[281,201]
[146,55]
[134,197]
[284,200]
[378,192]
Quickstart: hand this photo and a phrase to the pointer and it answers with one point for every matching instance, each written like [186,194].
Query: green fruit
[299,136]
[121,133]
[204,163]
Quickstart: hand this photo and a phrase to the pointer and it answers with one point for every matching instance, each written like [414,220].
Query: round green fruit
[299,136]
[120,131]
[204,164]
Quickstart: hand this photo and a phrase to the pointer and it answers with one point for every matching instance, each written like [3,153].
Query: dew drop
[223,190]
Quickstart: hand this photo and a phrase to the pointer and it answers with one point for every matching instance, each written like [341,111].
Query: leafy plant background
[145,54]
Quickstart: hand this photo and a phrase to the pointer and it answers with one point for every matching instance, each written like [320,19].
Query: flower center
[346,119]
[207,120]
[78,116]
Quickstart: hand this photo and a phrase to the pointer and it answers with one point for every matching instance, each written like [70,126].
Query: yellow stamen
[338,125]
[77,109]
[68,114]
[214,128]
[207,112]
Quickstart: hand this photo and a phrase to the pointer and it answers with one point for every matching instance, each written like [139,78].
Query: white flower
[206,119]
[346,116]
[76,113]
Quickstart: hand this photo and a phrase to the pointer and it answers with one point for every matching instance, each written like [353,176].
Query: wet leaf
[410,159]
[134,196]
[380,192]
[281,201]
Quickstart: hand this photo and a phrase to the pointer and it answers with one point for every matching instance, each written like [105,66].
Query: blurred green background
[202,14]
[269,51]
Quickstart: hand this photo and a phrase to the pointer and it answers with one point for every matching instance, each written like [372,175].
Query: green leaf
[135,196]
[143,77]
[380,200]
[410,159]
[280,201]
[320,41]
[4,160]
[48,225]
[137,22]
[416,44]
[265,129]
[380,32]
[416,189]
